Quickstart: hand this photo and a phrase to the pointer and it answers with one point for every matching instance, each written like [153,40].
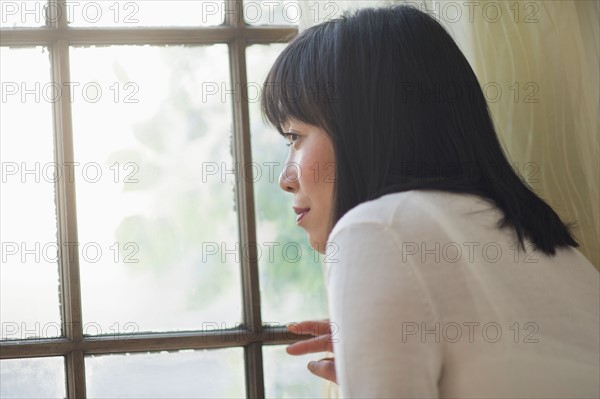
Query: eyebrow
[288,123]
[284,124]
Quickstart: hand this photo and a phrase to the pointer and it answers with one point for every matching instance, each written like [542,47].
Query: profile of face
[309,174]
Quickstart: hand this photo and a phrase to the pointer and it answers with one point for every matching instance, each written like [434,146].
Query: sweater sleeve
[380,314]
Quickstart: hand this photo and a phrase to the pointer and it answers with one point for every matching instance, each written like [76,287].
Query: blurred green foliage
[194,212]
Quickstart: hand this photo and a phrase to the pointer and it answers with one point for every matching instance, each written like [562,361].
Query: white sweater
[428,299]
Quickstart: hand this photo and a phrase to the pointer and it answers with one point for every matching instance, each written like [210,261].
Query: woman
[446,275]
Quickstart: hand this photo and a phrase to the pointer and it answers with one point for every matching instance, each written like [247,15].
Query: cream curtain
[538,62]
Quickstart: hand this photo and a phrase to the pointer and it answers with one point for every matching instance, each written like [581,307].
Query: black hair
[404,111]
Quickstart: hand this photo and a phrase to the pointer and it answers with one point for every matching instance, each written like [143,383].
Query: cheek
[316,174]
[324,169]
[317,170]
[319,175]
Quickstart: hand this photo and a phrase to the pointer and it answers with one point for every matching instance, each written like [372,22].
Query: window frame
[74,345]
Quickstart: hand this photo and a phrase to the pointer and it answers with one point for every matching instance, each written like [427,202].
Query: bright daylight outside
[151,200]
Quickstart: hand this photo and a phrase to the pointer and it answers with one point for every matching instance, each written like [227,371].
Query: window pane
[42,377]
[185,374]
[291,277]
[23,14]
[157,225]
[286,376]
[267,12]
[29,282]
[85,13]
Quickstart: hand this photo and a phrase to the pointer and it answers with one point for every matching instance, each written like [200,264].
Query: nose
[288,178]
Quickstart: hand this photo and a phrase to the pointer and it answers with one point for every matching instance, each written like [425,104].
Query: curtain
[538,63]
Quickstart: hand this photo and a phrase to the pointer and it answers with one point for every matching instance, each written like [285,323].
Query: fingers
[312,327]
[324,343]
[324,368]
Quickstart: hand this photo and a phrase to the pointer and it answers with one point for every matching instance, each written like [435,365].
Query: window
[146,247]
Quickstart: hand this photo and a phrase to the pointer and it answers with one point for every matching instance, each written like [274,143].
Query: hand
[321,330]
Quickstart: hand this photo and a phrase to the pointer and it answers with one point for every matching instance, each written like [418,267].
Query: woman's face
[309,174]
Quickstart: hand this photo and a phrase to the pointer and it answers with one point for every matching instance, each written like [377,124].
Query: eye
[291,137]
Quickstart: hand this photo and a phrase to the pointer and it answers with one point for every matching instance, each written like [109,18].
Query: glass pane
[291,279]
[286,376]
[215,373]
[42,377]
[157,226]
[85,13]
[29,282]
[23,14]
[267,12]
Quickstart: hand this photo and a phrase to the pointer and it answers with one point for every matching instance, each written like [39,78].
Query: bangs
[299,85]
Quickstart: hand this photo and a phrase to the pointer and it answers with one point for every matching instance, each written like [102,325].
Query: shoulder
[416,211]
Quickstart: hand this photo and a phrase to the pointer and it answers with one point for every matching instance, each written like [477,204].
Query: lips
[300,212]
